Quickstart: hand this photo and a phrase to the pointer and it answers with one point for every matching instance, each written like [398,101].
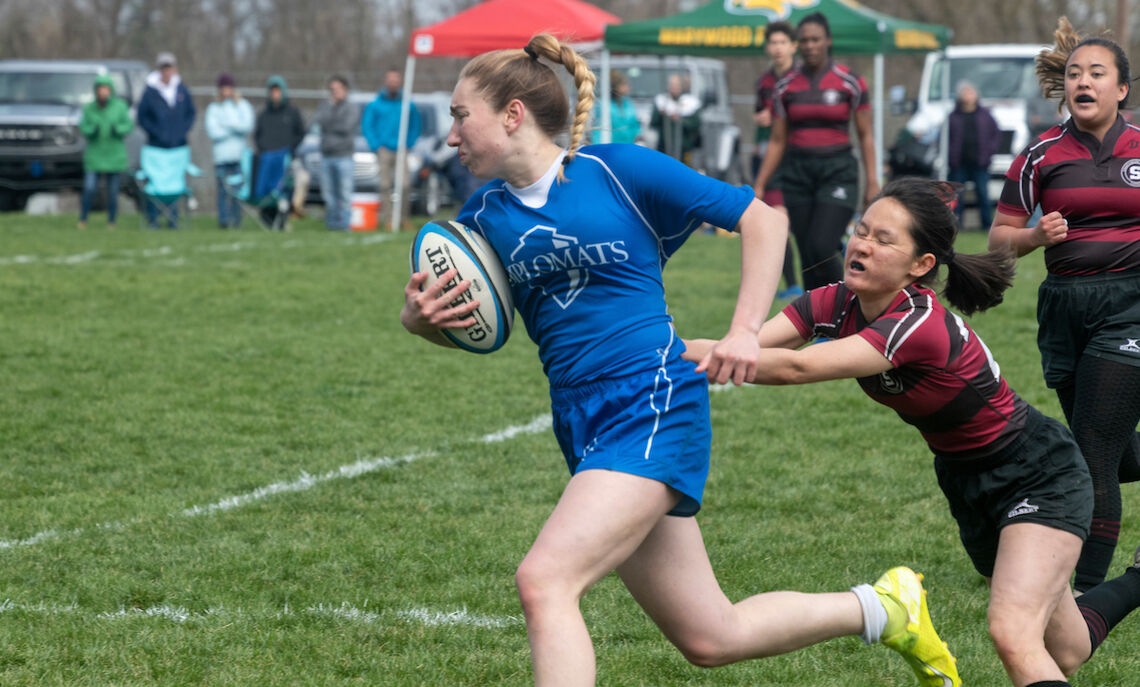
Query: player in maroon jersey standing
[1014,478]
[814,105]
[1085,174]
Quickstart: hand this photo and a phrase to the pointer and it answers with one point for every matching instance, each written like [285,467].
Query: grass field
[223,462]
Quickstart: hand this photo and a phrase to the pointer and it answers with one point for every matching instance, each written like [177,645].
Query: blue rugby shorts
[653,424]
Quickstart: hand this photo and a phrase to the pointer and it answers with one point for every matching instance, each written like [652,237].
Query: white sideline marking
[226,247]
[539,424]
[373,238]
[302,483]
[343,611]
[75,259]
[460,617]
[54,260]
[48,535]
[231,247]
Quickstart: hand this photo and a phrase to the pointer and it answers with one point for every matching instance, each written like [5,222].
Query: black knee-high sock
[1103,407]
[1049,683]
[1108,603]
[1130,461]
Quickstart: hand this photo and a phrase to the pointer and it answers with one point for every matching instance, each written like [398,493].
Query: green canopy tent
[735,28]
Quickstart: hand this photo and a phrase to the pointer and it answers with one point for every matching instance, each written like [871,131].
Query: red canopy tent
[497,24]
[494,25]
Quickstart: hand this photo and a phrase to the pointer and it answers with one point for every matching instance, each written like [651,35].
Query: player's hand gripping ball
[441,246]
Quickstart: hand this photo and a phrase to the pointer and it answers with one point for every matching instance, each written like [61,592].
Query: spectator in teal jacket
[623,117]
[105,123]
[381,127]
[229,119]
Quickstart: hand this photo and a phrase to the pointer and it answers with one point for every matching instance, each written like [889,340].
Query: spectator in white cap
[166,113]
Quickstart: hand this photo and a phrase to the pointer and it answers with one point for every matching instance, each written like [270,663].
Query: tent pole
[878,116]
[402,145]
[944,128]
[607,135]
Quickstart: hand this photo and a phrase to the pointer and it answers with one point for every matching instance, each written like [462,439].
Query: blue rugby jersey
[585,255]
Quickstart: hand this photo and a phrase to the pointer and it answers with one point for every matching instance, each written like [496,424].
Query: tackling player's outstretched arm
[425,313]
[779,363]
[763,237]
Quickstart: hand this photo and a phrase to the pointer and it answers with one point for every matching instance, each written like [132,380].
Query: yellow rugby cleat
[910,631]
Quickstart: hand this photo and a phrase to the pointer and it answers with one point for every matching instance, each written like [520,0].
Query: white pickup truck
[1006,83]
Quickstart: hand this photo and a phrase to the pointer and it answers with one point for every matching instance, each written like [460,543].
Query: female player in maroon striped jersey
[1085,175]
[815,104]
[1014,479]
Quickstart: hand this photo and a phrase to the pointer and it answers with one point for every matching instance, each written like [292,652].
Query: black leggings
[818,229]
[1102,406]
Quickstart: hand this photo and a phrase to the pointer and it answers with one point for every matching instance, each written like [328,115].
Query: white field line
[164,251]
[538,424]
[343,611]
[302,483]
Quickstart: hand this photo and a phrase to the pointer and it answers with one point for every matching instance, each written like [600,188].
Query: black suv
[41,101]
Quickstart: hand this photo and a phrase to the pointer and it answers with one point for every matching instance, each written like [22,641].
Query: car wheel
[13,201]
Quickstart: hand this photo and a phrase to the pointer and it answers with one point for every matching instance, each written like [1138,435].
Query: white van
[1006,82]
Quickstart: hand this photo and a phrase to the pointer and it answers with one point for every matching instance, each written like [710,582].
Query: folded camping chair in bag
[264,191]
[162,183]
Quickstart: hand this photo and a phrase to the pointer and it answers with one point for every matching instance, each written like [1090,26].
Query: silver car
[427,184]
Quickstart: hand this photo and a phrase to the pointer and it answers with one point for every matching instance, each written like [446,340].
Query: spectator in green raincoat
[105,123]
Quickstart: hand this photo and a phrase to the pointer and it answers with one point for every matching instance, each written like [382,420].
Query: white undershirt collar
[535,195]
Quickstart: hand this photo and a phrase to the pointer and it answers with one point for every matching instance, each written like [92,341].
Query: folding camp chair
[162,184]
[262,188]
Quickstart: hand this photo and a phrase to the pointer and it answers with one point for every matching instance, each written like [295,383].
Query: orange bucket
[365,212]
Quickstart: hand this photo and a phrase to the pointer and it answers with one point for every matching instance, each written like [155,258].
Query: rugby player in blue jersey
[584,234]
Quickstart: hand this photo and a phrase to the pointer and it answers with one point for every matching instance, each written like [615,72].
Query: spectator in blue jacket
[381,128]
[166,113]
[973,140]
[229,119]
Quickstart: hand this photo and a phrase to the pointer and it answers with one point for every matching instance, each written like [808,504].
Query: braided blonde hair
[501,76]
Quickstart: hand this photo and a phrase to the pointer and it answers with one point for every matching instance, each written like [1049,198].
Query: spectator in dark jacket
[166,111]
[280,126]
[973,140]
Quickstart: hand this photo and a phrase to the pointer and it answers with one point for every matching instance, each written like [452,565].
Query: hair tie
[566,159]
[949,258]
[530,51]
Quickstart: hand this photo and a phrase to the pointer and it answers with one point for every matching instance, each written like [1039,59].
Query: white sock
[874,615]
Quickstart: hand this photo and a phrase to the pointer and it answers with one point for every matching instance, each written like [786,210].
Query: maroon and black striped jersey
[766,90]
[1095,185]
[944,382]
[819,107]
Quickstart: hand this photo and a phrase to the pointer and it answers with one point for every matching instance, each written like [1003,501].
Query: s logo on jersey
[889,383]
[559,264]
[1130,173]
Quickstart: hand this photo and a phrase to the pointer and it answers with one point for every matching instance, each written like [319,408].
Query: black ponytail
[974,282]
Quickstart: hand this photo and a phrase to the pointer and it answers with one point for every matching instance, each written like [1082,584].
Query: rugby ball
[440,246]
